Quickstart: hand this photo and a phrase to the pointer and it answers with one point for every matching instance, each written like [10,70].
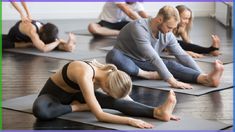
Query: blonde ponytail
[118,82]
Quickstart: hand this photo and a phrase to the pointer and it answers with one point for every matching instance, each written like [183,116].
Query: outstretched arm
[180,54]
[184,35]
[143,14]
[39,44]
[16,6]
[27,10]
[87,87]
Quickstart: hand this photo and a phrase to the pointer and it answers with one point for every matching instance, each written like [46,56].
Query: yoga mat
[78,54]
[226,82]
[226,58]
[85,32]
[107,48]
[24,104]
[197,89]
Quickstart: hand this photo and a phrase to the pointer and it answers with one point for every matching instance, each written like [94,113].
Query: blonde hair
[167,12]
[181,9]
[118,82]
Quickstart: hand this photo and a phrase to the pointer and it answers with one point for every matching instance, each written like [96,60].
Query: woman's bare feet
[78,107]
[215,53]
[213,78]
[71,44]
[72,39]
[164,112]
[215,44]
[151,75]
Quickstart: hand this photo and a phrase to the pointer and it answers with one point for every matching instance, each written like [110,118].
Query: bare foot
[213,78]
[164,112]
[215,44]
[215,53]
[78,107]
[71,44]
[215,41]
[72,39]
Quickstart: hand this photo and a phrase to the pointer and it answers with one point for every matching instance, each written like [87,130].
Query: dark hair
[48,33]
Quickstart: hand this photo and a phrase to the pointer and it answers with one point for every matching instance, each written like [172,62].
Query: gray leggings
[53,102]
[131,66]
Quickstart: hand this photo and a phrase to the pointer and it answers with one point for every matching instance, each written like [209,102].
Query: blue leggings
[53,102]
[131,66]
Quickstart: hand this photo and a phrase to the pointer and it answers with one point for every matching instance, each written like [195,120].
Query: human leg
[213,78]
[48,107]
[6,42]
[52,102]
[97,29]
[122,62]
[132,108]
[186,74]
[194,48]
[181,72]
[127,65]
[213,49]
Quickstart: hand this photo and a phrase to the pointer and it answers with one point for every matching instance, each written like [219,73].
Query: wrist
[171,80]
[129,120]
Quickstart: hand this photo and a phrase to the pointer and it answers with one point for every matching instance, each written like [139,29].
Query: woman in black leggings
[73,89]
[183,30]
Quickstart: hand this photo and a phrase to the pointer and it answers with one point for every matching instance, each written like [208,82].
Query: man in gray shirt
[140,44]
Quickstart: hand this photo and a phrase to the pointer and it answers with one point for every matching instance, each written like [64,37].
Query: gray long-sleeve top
[135,40]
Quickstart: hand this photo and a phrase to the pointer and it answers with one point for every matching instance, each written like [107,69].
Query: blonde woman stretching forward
[74,88]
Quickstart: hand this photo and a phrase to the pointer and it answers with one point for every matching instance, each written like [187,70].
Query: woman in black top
[74,89]
[183,29]
[28,32]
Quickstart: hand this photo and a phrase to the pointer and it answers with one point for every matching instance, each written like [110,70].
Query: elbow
[44,50]
[100,117]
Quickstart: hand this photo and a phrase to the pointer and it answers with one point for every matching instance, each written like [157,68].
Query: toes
[220,62]
[175,118]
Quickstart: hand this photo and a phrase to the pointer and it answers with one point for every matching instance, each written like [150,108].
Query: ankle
[203,79]
[156,112]
[160,114]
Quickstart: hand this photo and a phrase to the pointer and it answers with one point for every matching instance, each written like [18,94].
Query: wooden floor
[25,74]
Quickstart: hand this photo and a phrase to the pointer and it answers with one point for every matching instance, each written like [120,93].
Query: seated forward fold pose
[140,44]
[115,16]
[74,89]
[28,32]
[183,29]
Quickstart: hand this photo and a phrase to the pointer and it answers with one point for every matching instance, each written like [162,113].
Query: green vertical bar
[1,67]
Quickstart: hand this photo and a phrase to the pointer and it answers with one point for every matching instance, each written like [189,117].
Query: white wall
[71,10]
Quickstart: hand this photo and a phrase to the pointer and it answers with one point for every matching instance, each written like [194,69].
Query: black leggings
[53,102]
[7,42]
[196,48]
[116,26]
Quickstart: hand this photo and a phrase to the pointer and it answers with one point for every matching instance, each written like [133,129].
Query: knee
[41,109]
[93,28]
[171,64]
[113,57]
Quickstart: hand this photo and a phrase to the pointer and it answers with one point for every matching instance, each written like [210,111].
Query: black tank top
[68,81]
[16,36]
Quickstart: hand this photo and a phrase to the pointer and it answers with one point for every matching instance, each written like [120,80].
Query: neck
[154,26]
[100,76]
